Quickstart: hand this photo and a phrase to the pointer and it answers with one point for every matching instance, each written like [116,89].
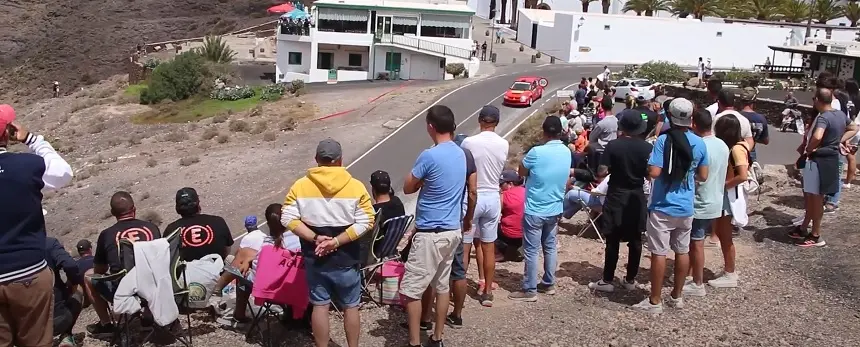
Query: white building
[357,40]
[622,39]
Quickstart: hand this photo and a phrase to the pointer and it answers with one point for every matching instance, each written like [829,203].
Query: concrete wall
[282,66]
[618,39]
[425,66]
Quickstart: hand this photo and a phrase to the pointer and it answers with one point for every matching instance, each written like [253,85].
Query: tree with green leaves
[795,11]
[825,10]
[698,8]
[216,50]
[852,12]
[762,9]
[648,7]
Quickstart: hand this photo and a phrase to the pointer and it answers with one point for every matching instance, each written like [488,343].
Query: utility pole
[809,20]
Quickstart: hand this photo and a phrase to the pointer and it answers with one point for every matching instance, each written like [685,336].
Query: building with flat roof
[842,58]
[374,39]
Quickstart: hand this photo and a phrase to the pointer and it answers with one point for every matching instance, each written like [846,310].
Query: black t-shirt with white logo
[202,235]
[107,246]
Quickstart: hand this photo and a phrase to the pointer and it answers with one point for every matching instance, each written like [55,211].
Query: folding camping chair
[122,335]
[280,273]
[386,238]
[591,214]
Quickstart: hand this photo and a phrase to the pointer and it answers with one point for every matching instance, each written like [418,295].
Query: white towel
[150,280]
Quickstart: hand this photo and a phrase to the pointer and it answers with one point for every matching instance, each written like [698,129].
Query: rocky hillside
[78,42]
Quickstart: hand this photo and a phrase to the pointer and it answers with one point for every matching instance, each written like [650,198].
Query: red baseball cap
[7,116]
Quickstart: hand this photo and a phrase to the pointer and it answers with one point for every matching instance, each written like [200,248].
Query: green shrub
[455,69]
[151,64]
[176,80]
[216,50]
[296,87]
[742,77]
[662,72]
[272,92]
[232,93]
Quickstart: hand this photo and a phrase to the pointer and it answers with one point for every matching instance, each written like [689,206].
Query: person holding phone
[24,273]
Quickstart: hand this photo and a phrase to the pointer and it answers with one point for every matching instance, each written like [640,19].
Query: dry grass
[176,136]
[209,133]
[152,217]
[188,161]
[288,124]
[269,137]
[96,127]
[529,133]
[239,126]
[222,139]
[151,162]
[221,118]
[259,128]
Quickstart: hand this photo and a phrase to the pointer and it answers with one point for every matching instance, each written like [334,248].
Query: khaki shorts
[27,315]
[429,262]
[665,232]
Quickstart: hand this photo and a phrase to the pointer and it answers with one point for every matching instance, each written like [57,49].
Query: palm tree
[215,49]
[825,10]
[605,4]
[795,11]
[585,4]
[649,7]
[698,8]
[852,12]
[763,9]
[514,14]
[504,6]
[732,9]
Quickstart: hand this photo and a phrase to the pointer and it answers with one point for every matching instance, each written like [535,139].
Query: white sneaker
[629,285]
[647,307]
[846,185]
[601,286]
[692,289]
[727,280]
[675,303]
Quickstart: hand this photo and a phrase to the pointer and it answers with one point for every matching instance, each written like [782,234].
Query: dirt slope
[79,42]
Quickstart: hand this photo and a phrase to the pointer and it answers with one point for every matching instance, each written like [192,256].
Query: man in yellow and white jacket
[329,210]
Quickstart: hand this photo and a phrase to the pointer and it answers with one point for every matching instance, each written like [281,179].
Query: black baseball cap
[632,122]
[552,125]
[187,201]
[380,178]
[84,245]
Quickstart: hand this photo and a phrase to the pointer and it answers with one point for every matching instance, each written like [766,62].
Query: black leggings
[613,245]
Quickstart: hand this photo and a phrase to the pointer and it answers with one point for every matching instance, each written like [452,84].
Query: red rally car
[525,91]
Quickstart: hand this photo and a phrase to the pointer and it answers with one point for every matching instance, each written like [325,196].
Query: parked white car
[634,86]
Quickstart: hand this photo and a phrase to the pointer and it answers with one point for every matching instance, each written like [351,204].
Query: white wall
[613,39]
[342,38]
[413,65]
[341,56]
[282,65]
[482,8]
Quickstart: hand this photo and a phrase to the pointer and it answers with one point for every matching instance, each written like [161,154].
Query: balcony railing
[781,69]
[425,45]
[294,29]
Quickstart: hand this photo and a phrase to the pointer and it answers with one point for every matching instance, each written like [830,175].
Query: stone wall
[136,71]
[771,109]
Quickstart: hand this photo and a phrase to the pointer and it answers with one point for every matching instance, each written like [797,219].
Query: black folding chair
[386,238]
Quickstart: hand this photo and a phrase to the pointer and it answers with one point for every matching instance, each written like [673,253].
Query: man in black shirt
[202,234]
[643,106]
[107,258]
[624,212]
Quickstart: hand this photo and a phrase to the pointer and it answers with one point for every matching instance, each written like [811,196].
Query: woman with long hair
[728,129]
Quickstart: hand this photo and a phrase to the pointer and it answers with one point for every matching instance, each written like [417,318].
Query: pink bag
[280,279]
[392,274]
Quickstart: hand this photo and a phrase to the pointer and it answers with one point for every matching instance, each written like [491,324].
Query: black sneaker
[812,241]
[98,329]
[432,343]
[425,326]
[454,322]
[798,233]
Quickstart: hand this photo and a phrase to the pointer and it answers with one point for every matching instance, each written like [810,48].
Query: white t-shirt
[254,240]
[746,128]
[836,104]
[713,110]
[490,152]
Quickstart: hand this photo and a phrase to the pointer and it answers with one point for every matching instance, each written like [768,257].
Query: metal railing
[781,69]
[425,45]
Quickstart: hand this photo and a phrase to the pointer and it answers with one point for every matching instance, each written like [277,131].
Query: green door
[392,64]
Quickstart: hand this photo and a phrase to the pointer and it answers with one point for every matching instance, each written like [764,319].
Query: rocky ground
[788,296]
[239,163]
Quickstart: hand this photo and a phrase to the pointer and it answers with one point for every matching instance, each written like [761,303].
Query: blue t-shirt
[758,125]
[676,200]
[549,170]
[440,201]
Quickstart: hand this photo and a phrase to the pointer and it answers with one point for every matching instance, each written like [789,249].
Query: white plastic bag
[202,275]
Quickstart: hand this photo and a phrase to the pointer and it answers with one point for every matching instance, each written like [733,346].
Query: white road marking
[533,113]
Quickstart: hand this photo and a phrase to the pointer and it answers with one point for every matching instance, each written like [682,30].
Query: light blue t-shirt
[440,201]
[549,170]
[676,200]
[709,194]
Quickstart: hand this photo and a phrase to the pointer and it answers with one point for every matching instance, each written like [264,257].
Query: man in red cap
[26,320]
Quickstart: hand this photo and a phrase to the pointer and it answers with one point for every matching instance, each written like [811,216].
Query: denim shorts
[700,228]
[343,285]
[458,269]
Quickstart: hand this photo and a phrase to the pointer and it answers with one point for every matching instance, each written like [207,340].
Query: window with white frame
[342,20]
[451,26]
